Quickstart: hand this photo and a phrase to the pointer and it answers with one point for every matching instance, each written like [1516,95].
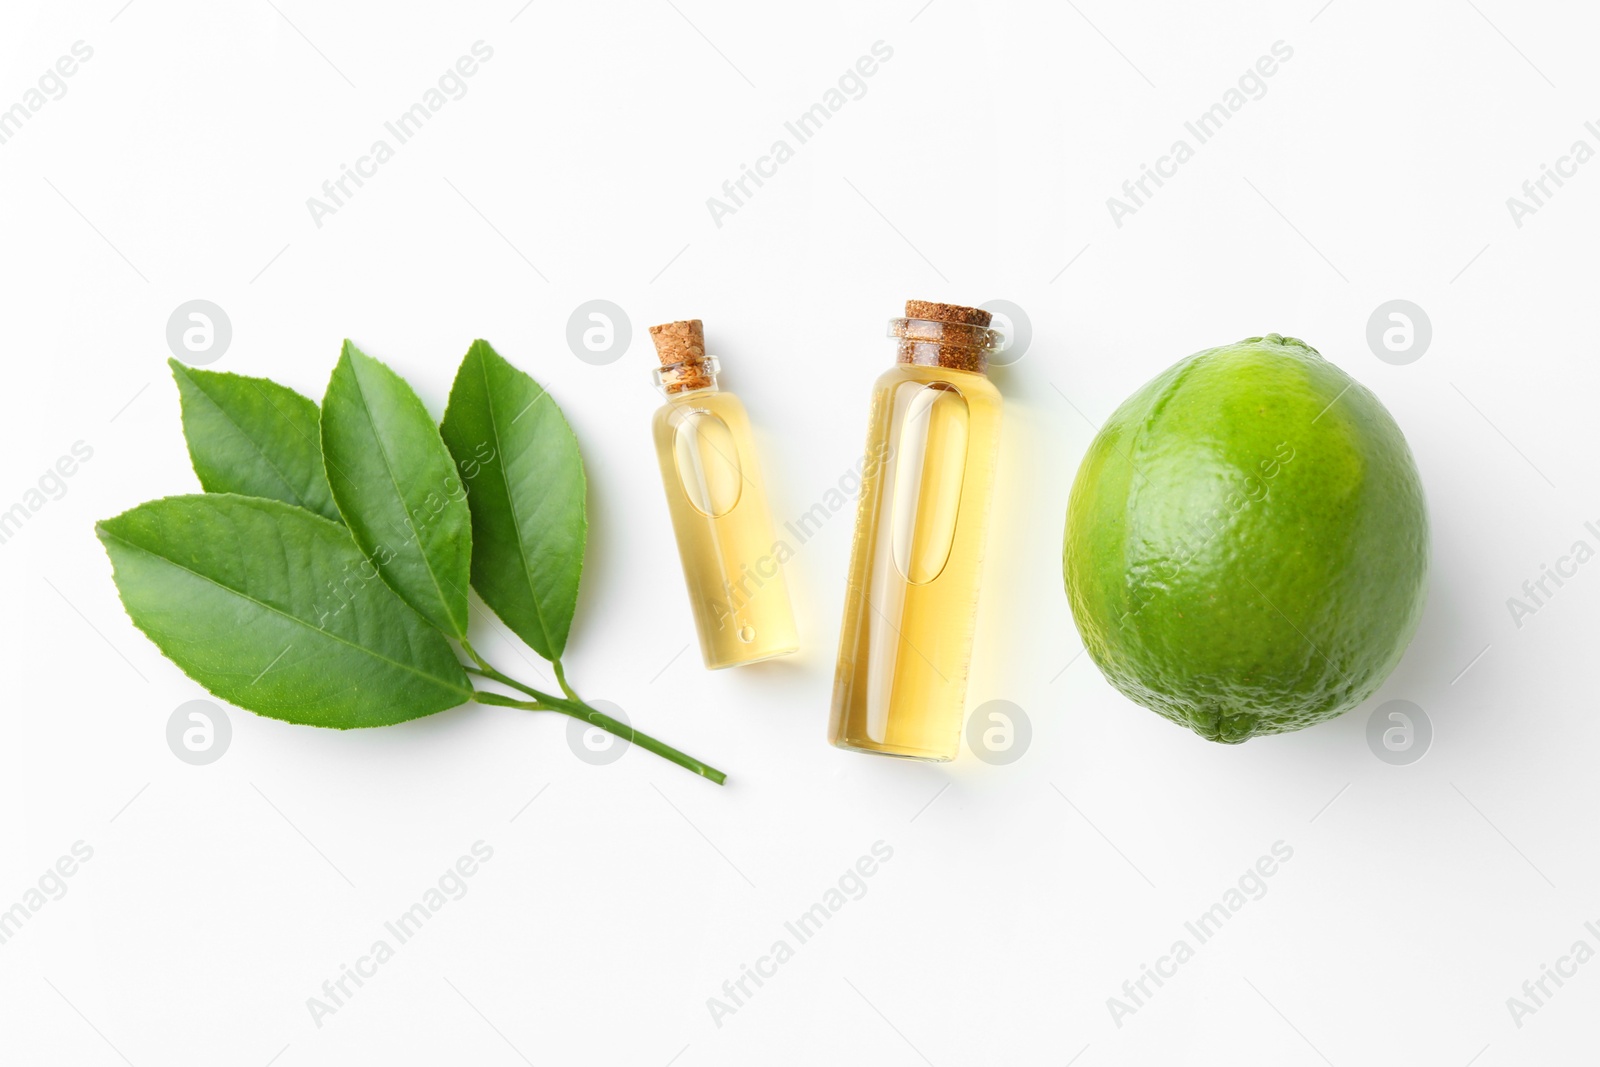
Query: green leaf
[275,609]
[253,436]
[397,488]
[526,492]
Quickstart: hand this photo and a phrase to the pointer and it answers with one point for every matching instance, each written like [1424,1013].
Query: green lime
[1247,544]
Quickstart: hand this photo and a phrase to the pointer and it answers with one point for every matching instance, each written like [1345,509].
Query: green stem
[512,682]
[561,680]
[574,706]
[486,670]
[579,710]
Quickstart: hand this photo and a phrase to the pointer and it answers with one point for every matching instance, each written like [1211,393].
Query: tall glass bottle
[731,560]
[911,605]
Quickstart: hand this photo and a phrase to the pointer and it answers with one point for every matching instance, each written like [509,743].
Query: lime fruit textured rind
[1246,548]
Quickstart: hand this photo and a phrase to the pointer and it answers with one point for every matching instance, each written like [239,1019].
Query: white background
[976,167]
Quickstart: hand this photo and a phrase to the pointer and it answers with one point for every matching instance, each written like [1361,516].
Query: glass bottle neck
[951,345]
[689,376]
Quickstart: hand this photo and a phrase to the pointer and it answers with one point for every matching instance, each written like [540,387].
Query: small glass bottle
[732,563]
[911,605]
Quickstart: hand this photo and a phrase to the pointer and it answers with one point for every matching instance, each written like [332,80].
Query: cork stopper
[679,342]
[933,312]
[944,335]
[681,348]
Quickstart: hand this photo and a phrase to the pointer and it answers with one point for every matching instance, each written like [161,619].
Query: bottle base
[872,748]
[762,658]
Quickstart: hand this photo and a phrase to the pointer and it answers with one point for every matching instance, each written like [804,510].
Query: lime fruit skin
[1246,546]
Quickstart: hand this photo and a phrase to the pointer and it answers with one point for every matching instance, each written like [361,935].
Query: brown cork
[934,312]
[943,335]
[681,348]
[679,342]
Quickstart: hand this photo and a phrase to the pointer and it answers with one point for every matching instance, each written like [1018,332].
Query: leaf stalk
[574,706]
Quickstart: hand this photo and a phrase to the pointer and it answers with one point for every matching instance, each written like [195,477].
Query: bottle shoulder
[719,402]
[970,384]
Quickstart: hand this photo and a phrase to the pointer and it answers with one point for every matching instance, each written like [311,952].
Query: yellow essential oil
[911,606]
[732,563]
